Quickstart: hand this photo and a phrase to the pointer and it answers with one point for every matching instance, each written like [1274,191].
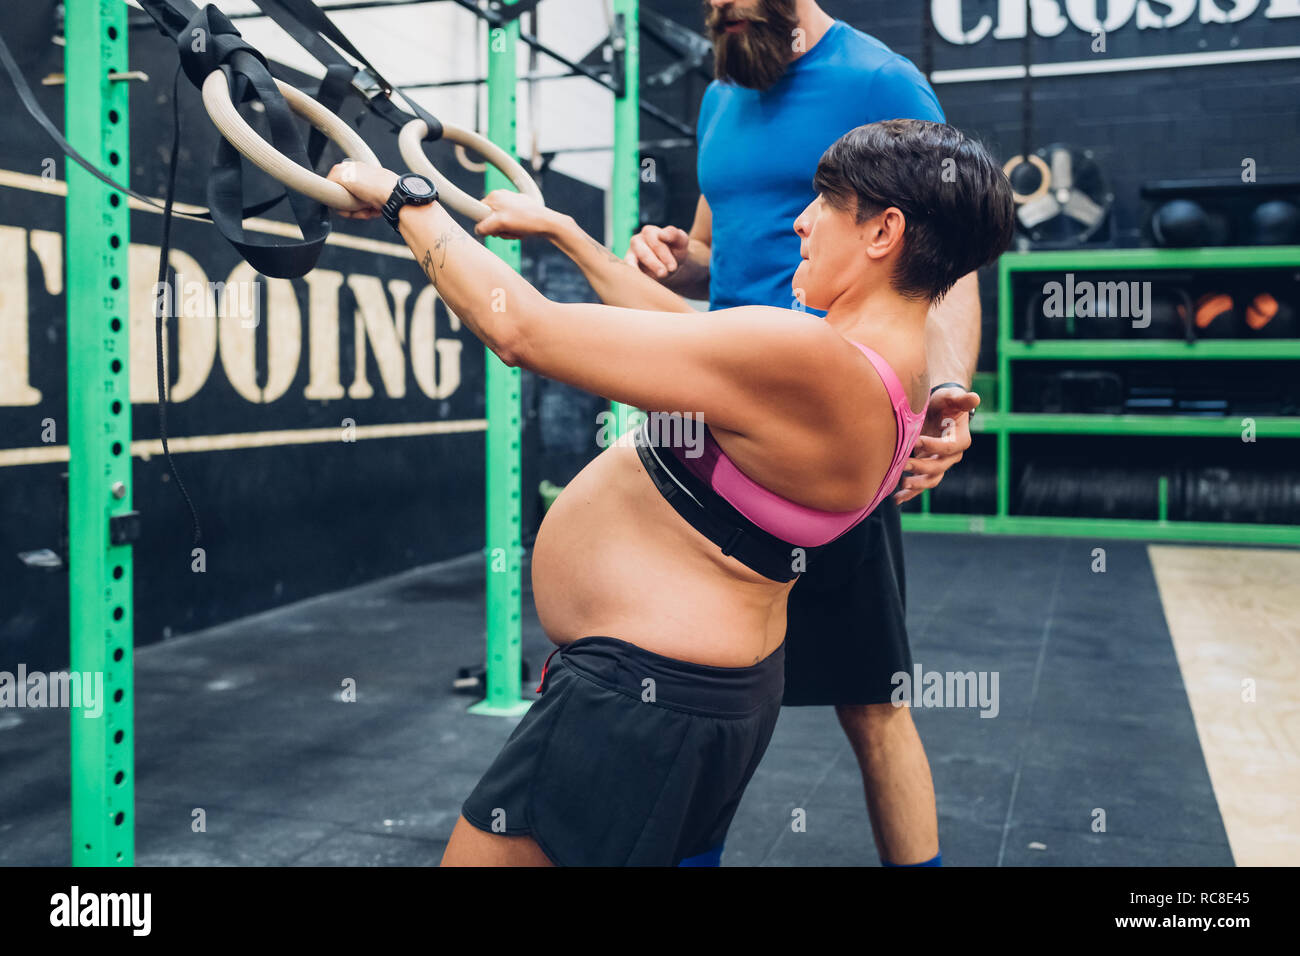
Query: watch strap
[400,197]
[949,385]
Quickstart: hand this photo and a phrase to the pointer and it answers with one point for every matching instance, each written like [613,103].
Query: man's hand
[658,250]
[944,438]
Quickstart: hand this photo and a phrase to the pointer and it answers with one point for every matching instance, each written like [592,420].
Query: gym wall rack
[101,516]
[1001,425]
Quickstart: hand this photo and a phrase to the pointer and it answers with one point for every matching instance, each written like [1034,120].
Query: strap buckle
[367,85]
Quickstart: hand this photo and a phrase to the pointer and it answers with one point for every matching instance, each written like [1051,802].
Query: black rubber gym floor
[245,723]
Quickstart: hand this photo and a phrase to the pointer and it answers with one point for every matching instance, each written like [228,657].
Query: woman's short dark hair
[956,199]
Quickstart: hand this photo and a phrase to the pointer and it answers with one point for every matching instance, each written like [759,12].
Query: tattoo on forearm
[440,248]
[609,254]
[444,243]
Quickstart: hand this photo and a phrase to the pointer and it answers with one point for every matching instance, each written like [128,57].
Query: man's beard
[757,56]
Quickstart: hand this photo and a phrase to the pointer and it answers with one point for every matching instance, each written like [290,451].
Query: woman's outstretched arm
[744,369]
[515,216]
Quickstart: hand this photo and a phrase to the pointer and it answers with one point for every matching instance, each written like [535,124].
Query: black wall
[279,523]
[286,522]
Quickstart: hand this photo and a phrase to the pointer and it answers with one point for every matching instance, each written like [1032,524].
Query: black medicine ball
[1184,224]
[1275,223]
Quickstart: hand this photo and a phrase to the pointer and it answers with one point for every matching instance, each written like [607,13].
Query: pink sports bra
[796,523]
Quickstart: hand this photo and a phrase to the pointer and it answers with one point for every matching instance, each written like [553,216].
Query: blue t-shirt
[758,152]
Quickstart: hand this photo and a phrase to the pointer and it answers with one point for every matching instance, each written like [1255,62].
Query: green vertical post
[99,437]
[1005,331]
[504,514]
[625,182]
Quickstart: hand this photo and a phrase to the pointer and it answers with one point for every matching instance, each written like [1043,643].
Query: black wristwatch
[410,190]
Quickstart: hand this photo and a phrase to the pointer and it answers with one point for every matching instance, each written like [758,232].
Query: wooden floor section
[1234,615]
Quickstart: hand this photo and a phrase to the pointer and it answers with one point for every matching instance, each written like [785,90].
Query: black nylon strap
[309,17]
[171,16]
[315,33]
[333,90]
[714,517]
[206,40]
[210,42]
[29,103]
[34,109]
[1027,90]
[163,308]
[311,28]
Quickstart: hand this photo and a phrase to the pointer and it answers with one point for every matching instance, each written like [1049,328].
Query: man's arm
[613,279]
[677,259]
[952,346]
[514,216]
[952,334]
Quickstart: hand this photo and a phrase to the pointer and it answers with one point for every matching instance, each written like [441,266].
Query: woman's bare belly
[613,558]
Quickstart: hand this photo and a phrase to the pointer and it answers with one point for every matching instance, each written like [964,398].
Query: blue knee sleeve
[936,860]
[707,858]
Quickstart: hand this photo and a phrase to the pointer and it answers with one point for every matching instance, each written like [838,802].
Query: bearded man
[790,80]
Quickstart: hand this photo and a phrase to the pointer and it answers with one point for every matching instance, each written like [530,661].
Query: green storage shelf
[1146,349]
[1001,423]
[1027,423]
[1108,260]
[1203,531]
[1031,423]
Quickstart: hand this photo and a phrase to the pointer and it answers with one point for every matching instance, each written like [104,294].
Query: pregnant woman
[662,570]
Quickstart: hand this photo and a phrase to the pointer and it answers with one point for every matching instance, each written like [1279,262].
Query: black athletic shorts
[630,758]
[846,632]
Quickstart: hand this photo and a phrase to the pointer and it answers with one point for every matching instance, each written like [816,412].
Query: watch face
[417,186]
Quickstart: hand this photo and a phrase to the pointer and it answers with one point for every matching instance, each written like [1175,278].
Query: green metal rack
[101,580]
[625,189]
[99,435]
[504,546]
[1004,423]
[504,498]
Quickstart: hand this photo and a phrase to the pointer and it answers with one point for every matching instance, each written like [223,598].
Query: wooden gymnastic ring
[410,143]
[216,99]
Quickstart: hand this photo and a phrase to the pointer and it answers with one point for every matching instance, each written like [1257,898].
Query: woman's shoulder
[902,367]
